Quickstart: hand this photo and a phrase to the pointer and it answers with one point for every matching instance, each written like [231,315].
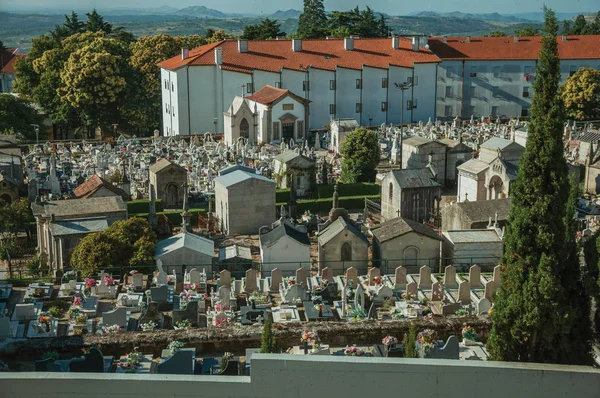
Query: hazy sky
[393,7]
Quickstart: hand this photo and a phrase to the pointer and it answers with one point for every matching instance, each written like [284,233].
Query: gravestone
[489,290]
[190,313]
[225,278]
[400,276]
[5,332]
[24,312]
[327,274]
[437,293]
[425,277]
[497,277]
[475,276]
[295,292]
[412,289]
[225,295]
[383,292]
[450,350]
[182,362]
[115,317]
[464,292]
[450,276]
[138,281]
[195,277]
[161,278]
[251,284]
[102,288]
[483,306]
[221,318]
[159,294]
[352,277]
[276,279]
[90,363]
[373,273]
[301,276]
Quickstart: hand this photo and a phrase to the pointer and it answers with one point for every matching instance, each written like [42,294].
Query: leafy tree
[581,95]
[527,31]
[125,243]
[361,156]
[594,26]
[579,26]
[266,29]
[219,35]
[534,319]
[268,344]
[355,22]
[73,24]
[497,33]
[17,115]
[191,41]
[312,23]
[410,342]
[14,218]
[95,22]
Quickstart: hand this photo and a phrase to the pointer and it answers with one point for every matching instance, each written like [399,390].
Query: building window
[300,129]
[358,107]
[525,92]
[384,82]
[332,109]
[525,112]
[409,80]
[497,71]
[383,106]
[496,92]
[449,92]
[528,70]
[449,72]
[358,84]
[250,88]
[494,111]
[447,110]
[278,84]
[173,109]
[473,71]
[166,86]
[305,85]
[332,84]
[275,130]
[409,105]
[572,70]
[416,81]
[413,103]
[288,107]
[391,193]
[172,86]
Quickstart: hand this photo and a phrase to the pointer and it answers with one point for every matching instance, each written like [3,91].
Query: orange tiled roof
[93,184]
[505,48]
[9,67]
[269,95]
[273,55]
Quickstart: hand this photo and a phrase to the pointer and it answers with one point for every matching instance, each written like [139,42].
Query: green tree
[312,23]
[95,22]
[360,152]
[497,33]
[17,115]
[527,31]
[266,29]
[533,319]
[579,26]
[594,26]
[268,344]
[97,251]
[73,24]
[581,95]
[410,342]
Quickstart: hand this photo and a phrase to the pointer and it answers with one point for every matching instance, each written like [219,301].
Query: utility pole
[402,87]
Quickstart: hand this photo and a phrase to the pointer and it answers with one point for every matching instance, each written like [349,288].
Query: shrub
[56,312]
[410,342]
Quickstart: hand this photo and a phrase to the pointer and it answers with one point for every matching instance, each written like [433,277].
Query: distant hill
[483,17]
[287,14]
[204,12]
[162,10]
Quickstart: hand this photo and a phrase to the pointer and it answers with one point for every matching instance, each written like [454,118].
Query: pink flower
[77,301]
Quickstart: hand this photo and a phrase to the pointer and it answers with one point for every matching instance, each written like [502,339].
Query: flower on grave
[187,286]
[6,313]
[289,281]
[319,307]
[350,292]
[73,312]
[377,280]
[389,340]
[70,275]
[353,351]
[461,312]
[491,311]
[468,333]
[358,315]
[77,332]
[109,280]
[223,322]
[45,319]
[169,278]
[309,337]
[258,298]
[203,296]
[77,301]
[175,346]
[130,288]
[148,326]
[228,356]
[111,329]
[397,314]
[90,283]
[426,336]
[426,311]
[184,324]
[316,299]
[148,293]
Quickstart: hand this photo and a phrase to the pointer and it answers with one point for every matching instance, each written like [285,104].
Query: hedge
[326,191]
[143,206]
[325,204]
[175,215]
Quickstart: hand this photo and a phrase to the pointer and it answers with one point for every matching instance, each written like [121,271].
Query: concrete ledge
[299,376]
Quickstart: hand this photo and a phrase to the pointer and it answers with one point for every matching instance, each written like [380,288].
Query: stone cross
[450,276]
[400,276]
[259,319]
[424,277]
[475,276]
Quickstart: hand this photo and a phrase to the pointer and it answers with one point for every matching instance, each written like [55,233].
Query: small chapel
[269,116]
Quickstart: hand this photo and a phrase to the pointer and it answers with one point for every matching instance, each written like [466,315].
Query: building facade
[167,179]
[8,58]
[342,78]
[494,76]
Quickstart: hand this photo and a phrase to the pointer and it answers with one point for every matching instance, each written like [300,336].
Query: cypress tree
[537,316]
[268,344]
[312,23]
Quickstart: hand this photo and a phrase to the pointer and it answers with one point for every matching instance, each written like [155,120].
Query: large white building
[493,76]
[342,78]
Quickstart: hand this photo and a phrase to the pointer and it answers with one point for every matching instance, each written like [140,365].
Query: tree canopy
[360,151]
[581,27]
[266,29]
[17,116]
[125,243]
[581,95]
[540,312]
[312,23]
